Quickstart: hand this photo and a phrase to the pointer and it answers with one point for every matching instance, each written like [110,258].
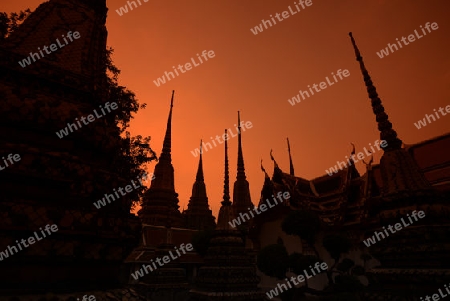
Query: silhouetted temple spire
[226,181]
[226,213]
[403,188]
[228,272]
[164,172]
[291,166]
[199,176]
[240,160]
[198,215]
[161,198]
[167,145]
[384,125]
[400,174]
[241,192]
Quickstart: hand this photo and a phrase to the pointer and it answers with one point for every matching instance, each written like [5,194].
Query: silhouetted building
[164,228]
[228,273]
[161,200]
[414,261]
[198,215]
[241,191]
[59,177]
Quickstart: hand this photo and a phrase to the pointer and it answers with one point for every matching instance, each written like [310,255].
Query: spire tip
[384,126]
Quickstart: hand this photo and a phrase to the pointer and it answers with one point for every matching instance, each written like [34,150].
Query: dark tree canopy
[10,23]
[135,151]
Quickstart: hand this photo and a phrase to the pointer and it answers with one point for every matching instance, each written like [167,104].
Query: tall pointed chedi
[198,215]
[161,200]
[228,273]
[226,211]
[399,172]
[414,261]
[241,192]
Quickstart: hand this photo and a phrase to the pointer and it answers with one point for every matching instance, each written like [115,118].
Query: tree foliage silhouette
[9,24]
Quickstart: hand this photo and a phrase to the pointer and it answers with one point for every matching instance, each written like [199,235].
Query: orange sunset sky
[257,74]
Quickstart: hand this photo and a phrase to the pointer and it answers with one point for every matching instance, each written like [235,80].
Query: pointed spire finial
[199,176]
[226,184]
[240,161]
[168,137]
[291,165]
[384,125]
